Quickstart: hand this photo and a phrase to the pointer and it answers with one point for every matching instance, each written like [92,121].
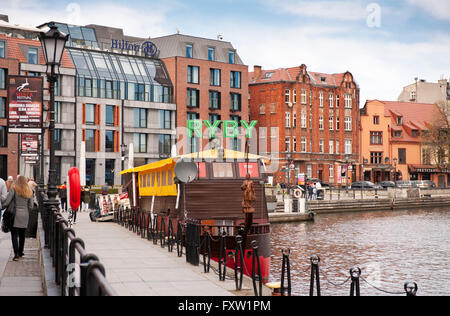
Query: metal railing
[77,272]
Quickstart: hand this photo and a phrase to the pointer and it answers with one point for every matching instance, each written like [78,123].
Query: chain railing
[77,272]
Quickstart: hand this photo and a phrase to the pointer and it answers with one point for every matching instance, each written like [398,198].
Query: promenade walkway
[23,277]
[135,266]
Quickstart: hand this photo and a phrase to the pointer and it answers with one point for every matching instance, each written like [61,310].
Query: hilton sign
[148,48]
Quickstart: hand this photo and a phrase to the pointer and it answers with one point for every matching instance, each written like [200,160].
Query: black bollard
[355,273]
[286,272]
[239,263]
[314,275]
[411,288]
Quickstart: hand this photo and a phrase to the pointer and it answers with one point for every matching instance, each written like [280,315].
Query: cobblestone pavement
[23,277]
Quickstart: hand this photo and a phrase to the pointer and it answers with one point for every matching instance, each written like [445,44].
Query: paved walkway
[23,277]
[135,266]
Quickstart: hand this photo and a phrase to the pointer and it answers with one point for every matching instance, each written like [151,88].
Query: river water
[391,248]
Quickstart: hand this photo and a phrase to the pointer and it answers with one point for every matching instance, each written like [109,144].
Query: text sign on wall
[29,145]
[25,104]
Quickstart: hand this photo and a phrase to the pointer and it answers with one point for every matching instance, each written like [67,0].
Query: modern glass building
[122,97]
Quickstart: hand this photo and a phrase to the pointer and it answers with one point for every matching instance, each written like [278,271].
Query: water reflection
[390,248]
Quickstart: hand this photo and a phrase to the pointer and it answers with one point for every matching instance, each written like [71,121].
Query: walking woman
[22,194]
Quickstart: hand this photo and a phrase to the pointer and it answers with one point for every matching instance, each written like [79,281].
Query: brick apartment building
[309,119]
[210,83]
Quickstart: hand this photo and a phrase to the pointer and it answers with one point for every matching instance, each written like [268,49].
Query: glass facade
[112,76]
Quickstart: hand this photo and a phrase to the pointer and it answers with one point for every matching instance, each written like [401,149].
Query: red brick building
[210,83]
[310,117]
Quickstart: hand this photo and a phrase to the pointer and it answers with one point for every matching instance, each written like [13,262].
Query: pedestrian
[85,197]
[22,195]
[310,191]
[9,183]
[3,194]
[314,192]
[63,196]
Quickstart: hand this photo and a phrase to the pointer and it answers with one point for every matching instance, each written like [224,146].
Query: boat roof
[211,154]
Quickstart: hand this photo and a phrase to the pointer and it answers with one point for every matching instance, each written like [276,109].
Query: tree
[436,139]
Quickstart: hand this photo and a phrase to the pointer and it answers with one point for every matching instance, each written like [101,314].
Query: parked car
[365,185]
[404,184]
[424,184]
[387,184]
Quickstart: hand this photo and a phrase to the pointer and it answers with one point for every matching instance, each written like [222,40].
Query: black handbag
[9,215]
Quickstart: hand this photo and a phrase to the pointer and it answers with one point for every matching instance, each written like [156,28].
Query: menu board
[25,104]
[29,145]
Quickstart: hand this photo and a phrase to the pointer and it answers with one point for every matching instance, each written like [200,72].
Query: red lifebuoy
[75,188]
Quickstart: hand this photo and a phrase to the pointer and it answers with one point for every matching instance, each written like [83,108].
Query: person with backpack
[19,203]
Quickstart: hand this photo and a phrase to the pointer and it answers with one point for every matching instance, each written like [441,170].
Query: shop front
[379,173]
[440,176]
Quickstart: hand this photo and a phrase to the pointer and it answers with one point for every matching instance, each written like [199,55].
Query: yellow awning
[151,166]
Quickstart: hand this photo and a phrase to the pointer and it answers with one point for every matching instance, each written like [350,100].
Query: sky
[385,44]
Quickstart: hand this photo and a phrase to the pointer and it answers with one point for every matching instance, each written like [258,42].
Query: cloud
[440,9]
[142,21]
[347,10]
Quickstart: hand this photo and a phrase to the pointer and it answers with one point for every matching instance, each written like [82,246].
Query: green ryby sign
[230,128]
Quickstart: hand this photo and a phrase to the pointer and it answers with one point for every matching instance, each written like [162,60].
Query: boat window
[201,170]
[170,177]
[148,179]
[153,179]
[158,177]
[252,169]
[223,170]
[163,178]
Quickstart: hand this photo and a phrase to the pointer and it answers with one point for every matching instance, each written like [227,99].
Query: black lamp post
[395,169]
[53,43]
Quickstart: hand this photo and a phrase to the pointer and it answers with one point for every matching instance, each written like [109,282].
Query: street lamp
[53,43]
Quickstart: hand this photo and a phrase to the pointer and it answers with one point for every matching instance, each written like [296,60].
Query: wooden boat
[213,199]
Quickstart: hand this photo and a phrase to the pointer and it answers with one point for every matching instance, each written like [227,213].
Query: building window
[331,170]
[321,99]
[90,172]
[214,77]
[413,96]
[376,138]
[303,97]
[109,121]
[294,96]
[287,144]
[193,98]
[139,92]
[235,79]
[376,158]
[348,101]
[402,156]
[376,120]
[109,171]
[331,101]
[399,120]
[90,140]
[303,120]
[331,146]
[415,133]
[337,123]
[331,123]
[287,96]
[32,55]
[140,143]
[3,137]
[193,74]
[90,114]
[303,145]
[397,134]
[337,147]
[348,146]
[273,108]
[426,157]
[211,53]
[164,145]
[262,109]
[109,141]
[337,100]
[189,50]
[321,122]
[294,144]
[287,118]
[165,121]
[214,100]
[2,49]
[294,119]
[235,101]
[3,74]
[2,107]
[348,123]
[309,171]
[321,150]
[231,57]
[140,118]
[214,117]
